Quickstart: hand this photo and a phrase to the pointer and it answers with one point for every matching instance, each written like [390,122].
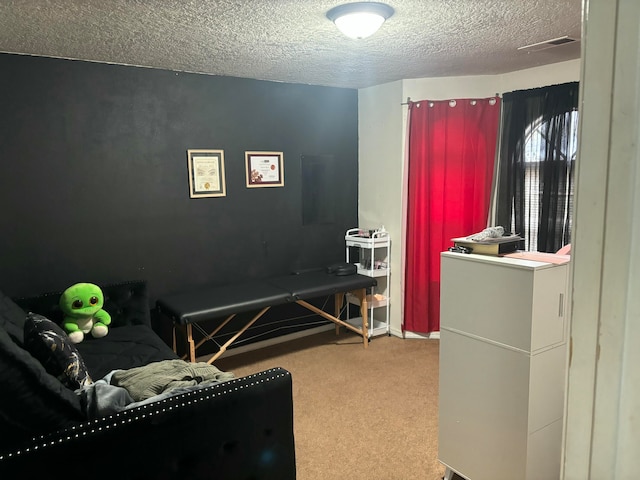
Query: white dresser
[503,337]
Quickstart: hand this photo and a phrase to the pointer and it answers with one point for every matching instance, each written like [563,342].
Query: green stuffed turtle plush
[82,307]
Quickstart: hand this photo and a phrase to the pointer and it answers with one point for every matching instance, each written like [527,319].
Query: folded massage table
[210,303]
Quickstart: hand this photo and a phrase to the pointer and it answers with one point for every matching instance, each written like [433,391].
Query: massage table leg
[209,336]
[174,343]
[223,348]
[364,312]
[192,348]
[190,342]
[338,297]
[363,307]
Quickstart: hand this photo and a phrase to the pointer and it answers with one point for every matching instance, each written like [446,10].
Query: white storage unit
[503,337]
[374,261]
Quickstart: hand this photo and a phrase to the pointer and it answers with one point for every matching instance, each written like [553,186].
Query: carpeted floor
[358,413]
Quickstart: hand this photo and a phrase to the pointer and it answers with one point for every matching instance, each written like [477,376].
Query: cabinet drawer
[482,408]
[518,306]
[487,301]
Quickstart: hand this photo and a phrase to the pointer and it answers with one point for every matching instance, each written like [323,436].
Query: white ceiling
[292,40]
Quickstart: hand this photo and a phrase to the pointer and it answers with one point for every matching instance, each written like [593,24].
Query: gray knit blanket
[160,377]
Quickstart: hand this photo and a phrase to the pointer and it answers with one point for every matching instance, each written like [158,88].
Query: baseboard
[421,336]
[413,335]
[271,341]
[396,333]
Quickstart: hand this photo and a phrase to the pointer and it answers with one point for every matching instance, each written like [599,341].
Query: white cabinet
[373,260]
[503,360]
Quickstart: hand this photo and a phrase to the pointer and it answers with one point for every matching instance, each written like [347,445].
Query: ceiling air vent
[554,42]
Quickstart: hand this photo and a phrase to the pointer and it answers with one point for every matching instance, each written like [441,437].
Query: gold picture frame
[206,173]
[264,169]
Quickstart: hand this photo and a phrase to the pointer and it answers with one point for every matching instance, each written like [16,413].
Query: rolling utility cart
[373,253]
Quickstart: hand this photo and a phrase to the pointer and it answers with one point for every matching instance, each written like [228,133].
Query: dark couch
[238,429]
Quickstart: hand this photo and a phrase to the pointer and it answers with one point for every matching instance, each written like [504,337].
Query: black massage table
[185,309]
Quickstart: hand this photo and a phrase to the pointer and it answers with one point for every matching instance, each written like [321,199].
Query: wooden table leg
[364,309]
[338,297]
[223,348]
[209,336]
[337,321]
[192,346]
[173,339]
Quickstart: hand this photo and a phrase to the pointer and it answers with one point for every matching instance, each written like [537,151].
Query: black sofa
[237,429]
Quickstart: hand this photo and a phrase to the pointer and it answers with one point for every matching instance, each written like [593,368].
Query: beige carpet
[358,413]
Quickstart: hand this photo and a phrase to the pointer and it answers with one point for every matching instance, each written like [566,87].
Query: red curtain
[452,146]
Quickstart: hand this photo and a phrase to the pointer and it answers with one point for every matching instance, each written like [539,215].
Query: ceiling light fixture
[360,19]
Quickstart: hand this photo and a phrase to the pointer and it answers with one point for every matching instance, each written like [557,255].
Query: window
[536,163]
[538,141]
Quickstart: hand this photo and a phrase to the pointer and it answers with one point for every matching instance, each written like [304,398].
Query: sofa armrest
[242,428]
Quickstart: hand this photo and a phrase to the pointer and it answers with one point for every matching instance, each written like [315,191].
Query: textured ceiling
[292,40]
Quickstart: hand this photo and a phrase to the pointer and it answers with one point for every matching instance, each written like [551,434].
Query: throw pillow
[33,401]
[48,343]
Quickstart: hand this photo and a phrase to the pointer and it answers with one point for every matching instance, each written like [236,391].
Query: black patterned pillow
[48,343]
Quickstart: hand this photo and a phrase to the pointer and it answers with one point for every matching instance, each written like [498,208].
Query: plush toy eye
[77,304]
[93,300]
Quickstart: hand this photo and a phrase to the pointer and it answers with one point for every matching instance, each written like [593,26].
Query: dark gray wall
[94,181]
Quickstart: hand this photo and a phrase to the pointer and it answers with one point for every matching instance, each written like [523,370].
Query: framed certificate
[264,169]
[206,173]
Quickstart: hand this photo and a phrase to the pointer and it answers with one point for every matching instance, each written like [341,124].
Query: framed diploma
[206,173]
[264,169]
